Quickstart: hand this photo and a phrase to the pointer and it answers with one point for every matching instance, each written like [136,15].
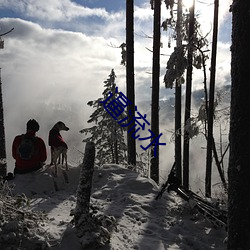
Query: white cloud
[52,10]
[143,13]
[57,58]
[205,12]
[46,70]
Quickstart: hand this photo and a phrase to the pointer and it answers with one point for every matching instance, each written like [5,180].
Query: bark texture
[3,162]
[154,169]
[92,227]
[85,183]
[130,85]
[239,161]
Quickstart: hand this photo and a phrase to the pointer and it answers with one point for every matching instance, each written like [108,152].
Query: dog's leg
[64,172]
[55,158]
[63,157]
[56,170]
[66,161]
[51,156]
[59,159]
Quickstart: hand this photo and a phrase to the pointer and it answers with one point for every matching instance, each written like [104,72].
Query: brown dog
[58,146]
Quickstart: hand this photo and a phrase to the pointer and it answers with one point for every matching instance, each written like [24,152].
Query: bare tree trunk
[83,192]
[154,169]
[178,158]
[3,162]
[130,77]
[115,143]
[239,159]
[188,98]
[211,102]
[93,231]
[216,158]
[116,149]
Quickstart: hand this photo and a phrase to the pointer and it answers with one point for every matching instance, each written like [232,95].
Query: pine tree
[189,73]
[107,134]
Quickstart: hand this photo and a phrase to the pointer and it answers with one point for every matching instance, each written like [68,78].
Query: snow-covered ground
[141,221]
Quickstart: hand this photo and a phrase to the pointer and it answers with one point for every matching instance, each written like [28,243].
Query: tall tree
[239,159]
[188,96]
[91,230]
[83,192]
[107,134]
[3,162]
[130,78]
[154,169]
[176,66]
[178,155]
[210,139]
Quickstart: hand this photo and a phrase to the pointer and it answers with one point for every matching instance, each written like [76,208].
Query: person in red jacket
[29,150]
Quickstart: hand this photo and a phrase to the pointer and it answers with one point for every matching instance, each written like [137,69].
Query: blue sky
[67,14]
[109,5]
[61,52]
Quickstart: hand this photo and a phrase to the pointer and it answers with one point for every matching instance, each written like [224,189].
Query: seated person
[29,150]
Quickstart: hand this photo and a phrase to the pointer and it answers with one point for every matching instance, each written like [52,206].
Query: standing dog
[57,145]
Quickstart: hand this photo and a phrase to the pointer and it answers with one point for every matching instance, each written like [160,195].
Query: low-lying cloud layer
[59,54]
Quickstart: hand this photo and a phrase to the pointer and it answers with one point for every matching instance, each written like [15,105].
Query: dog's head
[61,126]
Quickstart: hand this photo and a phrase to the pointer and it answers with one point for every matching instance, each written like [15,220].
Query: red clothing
[37,159]
[55,139]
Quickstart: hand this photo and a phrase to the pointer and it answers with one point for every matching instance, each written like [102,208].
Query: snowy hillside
[141,221]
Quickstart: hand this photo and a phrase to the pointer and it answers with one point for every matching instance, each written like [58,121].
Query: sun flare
[188,3]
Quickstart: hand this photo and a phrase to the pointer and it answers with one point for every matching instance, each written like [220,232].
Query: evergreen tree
[188,53]
[107,134]
[187,115]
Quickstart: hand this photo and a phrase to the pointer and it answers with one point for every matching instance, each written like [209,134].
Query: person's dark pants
[25,171]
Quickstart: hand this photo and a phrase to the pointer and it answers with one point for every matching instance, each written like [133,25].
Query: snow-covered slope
[141,221]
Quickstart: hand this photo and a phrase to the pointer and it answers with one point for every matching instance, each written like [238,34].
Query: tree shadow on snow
[179,227]
[39,187]
[124,191]
[167,223]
